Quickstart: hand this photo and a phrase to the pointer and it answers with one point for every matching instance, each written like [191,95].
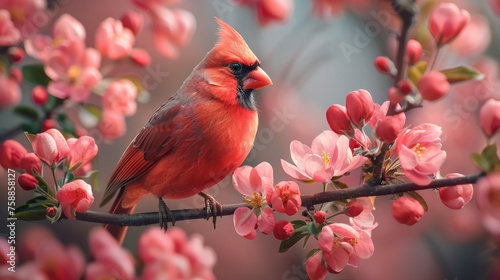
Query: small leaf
[420,199]
[28,213]
[313,229]
[488,160]
[27,112]
[35,74]
[298,224]
[461,74]
[292,240]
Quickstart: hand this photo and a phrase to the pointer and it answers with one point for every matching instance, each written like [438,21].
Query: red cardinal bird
[198,136]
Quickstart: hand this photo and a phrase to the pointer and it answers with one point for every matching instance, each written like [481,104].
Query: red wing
[153,142]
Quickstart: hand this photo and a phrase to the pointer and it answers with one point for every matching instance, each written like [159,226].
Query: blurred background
[313,62]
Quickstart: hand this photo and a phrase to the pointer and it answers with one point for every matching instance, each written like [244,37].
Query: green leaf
[340,185]
[30,214]
[313,229]
[65,124]
[461,74]
[298,224]
[488,160]
[420,199]
[292,240]
[27,112]
[35,74]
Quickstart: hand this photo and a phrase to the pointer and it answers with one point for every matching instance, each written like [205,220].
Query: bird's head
[232,70]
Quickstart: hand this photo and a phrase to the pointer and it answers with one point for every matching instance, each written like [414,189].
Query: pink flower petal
[244,221]
[266,220]
[293,171]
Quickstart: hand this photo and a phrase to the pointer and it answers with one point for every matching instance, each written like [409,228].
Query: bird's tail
[117,231]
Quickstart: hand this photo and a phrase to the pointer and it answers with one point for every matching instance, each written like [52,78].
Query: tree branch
[142,219]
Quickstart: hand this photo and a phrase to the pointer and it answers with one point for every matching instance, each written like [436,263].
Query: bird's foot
[213,207]
[166,215]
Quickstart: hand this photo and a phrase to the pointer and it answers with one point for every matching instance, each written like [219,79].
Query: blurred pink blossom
[172,29]
[12,154]
[58,262]
[112,125]
[433,86]
[488,200]
[10,92]
[419,151]
[489,117]
[132,20]
[328,8]
[329,156]
[75,196]
[474,38]
[74,71]
[30,163]
[256,184]
[270,10]
[120,97]
[9,34]
[113,40]
[446,22]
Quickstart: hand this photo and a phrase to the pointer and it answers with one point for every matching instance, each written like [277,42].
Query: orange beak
[256,79]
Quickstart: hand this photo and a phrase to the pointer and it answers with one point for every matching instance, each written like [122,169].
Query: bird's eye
[236,67]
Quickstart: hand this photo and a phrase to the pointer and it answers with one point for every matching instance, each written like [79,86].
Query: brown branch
[142,219]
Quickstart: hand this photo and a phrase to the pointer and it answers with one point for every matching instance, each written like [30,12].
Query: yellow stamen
[74,73]
[353,241]
[256,200]
[326,157]
[17,14]
[418,150]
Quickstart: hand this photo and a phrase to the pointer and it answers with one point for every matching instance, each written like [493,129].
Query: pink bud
[27,182]
[285,198]
[433,86]
[16,74]
[388,129]
[395,96]
[50,146]
[456,197]
[82,151]
[359,107]
[140,57]
[446,22]
[133,21]
[336,116]
[362,140]
[353,208]
[30,163]
[489,117]
[12,153]
[15,54]
[282,230]
[405,87]
[39,95]
[413,51]
[48,124]
[385,65]
[51,212]
[319,217]
[75,196]
[407,210]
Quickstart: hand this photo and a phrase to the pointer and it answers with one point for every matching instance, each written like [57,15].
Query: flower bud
[446,22]
[285,198]
[39,95]
[407,210]
[433,86]
[353,208]
[133,21]
[140,57]
[82,151]
[336,116]
[413,51]
[51,212]
[405,87]
[12,153]
[27,182]
[319,217]
[15,54]
[489,117]
[282,230]
[388,129]
[456,197]
[30,163]
[50,146]
[395,96]
[359,107]
[48,124]
[384,65]
[16,74]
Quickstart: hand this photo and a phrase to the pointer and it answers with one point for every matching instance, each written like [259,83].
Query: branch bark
[142,219]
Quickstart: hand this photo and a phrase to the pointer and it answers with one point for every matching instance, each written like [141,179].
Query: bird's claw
[213,207]
[166,215]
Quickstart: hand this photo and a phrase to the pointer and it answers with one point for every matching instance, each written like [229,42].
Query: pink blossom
[488,200]
[172,29]
[420,154]
[140,57]
[413,51]
[4,250]
[256,184]
[65,30]
[133,21]
[353,208]
[495,6]
[489,117]
[23,11]
[474,38]
[364,220]
[120,97]
[270,10]
[58,262]
[10,93]
[337,118]
[74,71]
[285,198]
[446,22]
[50,146]
[359,106]
[433,85]
[363,247]
[27,181]
[456,197]
[31,164]
[329,156]
[82,151]
[283,230]
[113,40]
[112,125]
[75,196]
[12,154]
[111,260]
[336,243]
[380,111]
[407,210]
[173,255]
[388,128]
[315,267]
[9,34]
[384,65]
